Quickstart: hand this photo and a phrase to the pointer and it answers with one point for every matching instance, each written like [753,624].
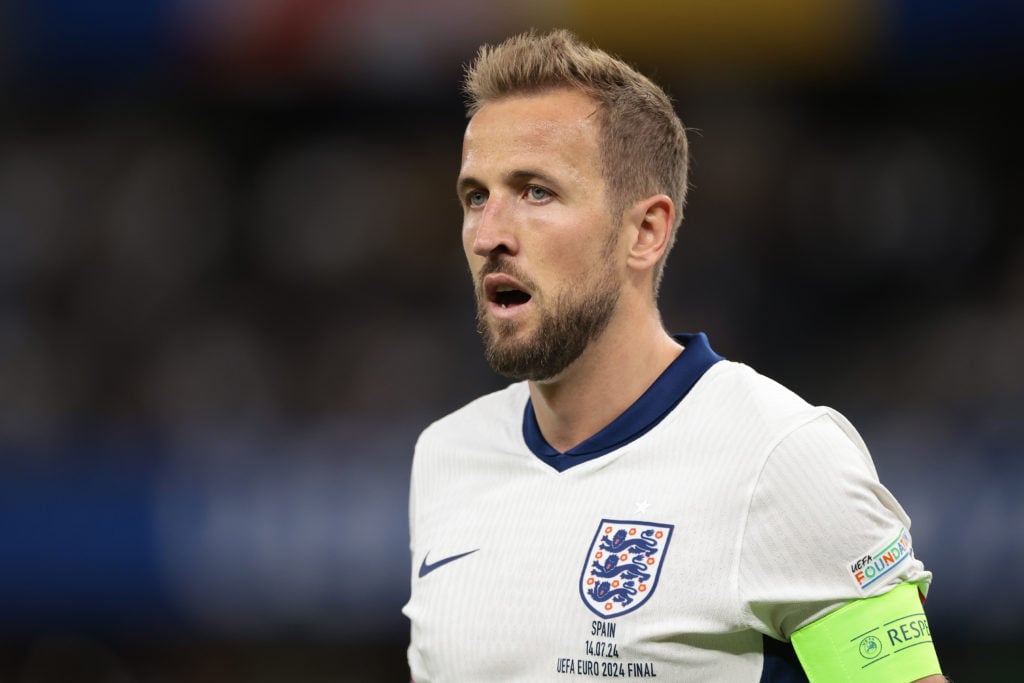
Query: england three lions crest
[622,566]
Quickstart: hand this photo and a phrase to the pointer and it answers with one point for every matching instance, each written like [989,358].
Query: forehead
[559,126]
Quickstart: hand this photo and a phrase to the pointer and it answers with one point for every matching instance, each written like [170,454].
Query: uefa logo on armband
[622,566]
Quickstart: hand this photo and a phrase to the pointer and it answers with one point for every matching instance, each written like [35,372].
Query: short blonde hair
[643,142]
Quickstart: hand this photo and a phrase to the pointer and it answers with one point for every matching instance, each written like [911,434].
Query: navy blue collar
[648,410]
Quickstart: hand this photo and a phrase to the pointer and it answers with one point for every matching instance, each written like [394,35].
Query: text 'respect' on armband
[882,638]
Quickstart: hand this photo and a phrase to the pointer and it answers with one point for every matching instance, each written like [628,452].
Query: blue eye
[537,194]
[476,198]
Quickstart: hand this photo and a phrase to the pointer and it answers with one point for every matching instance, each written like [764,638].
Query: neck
[610,375]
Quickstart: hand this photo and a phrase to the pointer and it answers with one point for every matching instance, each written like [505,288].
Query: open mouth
[505,292]
[506,297]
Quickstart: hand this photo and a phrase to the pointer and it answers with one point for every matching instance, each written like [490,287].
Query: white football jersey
[686,541]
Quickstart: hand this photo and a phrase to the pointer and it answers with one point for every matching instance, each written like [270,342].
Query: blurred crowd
[176,264]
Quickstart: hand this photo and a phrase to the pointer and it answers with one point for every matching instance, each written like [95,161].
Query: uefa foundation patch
[872,567]
[623,565]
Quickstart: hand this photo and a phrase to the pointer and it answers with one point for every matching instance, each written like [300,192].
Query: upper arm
[827,561]
[883,638]
[821,531]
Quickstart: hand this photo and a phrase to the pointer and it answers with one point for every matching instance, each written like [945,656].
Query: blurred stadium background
[232,293]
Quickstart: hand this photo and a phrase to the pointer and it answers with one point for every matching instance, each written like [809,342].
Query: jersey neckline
[646,412]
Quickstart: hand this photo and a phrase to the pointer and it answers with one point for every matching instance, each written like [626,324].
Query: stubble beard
[579,316]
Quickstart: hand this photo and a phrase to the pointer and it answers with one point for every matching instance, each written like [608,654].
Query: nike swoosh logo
[426,568]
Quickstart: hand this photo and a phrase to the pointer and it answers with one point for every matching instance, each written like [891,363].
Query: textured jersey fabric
[687,541]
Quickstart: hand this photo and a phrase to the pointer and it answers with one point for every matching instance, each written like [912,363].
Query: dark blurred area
[232,292]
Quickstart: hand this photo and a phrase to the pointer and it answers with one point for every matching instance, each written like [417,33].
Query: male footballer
[634,506]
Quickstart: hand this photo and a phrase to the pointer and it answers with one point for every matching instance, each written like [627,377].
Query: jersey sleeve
[821,530]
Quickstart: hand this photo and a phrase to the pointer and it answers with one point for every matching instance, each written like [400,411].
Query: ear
[652,220]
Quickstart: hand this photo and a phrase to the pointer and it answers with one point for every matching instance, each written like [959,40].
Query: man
[636,506]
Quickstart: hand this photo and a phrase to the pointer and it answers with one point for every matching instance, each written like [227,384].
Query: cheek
[585,257]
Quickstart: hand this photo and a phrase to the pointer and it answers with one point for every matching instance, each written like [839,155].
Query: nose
[492,229]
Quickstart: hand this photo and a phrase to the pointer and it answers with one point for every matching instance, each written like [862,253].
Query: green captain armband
[884,638]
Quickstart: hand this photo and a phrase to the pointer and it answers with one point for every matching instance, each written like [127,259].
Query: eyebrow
[467,183]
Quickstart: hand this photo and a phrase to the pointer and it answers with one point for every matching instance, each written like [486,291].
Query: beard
[579,315]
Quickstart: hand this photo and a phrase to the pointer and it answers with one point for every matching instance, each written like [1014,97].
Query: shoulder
[769,428]
[484,418]
[465,451]
[783,422]
[740,379]
[736,398]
